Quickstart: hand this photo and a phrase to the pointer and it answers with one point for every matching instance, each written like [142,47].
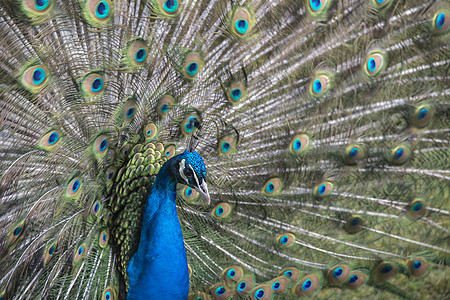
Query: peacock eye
[187,172]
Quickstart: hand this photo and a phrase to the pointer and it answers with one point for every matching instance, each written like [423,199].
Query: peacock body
[323,126]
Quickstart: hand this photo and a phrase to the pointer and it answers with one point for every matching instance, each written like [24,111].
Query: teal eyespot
[103,239]
[323,189]
[102,10]
[164,105]
[381,3]
[220,291]
[318,7]
[241,21]
[192,69]
[34,78]
[374,64]
[92,85]
[38,76]
[356,280]
[100,145]
[416,209]
[400,155]
[286,239]
[259,293]
[299,144]
[315,5]
[291,273]
[79,253]
[188,125]
[141,54]
[236,94]
[221,211]
[150,131]
[309,285]
[41,5]
[109,294]
[241,286]
[338,274]
[441,21]
[192,65]
[49,140]
[241,26]
[97,85]
[272,187]
[353,154]
[418,266]
[74,187]
[170,6]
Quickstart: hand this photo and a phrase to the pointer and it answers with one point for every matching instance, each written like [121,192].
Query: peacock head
[189,169]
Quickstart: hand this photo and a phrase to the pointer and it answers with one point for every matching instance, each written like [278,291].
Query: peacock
[213,149]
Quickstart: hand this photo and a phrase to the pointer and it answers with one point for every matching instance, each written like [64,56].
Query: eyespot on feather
[100,145]
[227,145]
[236,92]
[188,124]
[319,85]
[418,266]
[137,53]
[353,154]
[286,239]
[422,116]
[103,238]
[262,292]
[356,279]
[125,151]
[400,154]
[92,85]
[318,7]
[441,21]
[323,189]
[193,63]
[74,187]
[381,3]
[150,131]
[17,232]
[354,224]
[245,286]
[167,8]
[170,151]
[189,194]
[98,13]
[280,284]
[95,208]
[49,140]
[338,274]
[221,211]
[80,253]
[385,271]
[49,251]
[220,291]
[242,21]
[34,78]
[290,272]
[299,144]
[416,209]
[375,63]
[164,105]
[272,187]
[232,274]
[109,294]
[37,9]
[309,285]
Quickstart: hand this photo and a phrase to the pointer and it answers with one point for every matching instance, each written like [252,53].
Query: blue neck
[158,270]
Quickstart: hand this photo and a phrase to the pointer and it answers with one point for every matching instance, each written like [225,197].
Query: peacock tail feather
[324,126]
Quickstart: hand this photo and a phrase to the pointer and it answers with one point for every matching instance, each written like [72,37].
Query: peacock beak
[203,190]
